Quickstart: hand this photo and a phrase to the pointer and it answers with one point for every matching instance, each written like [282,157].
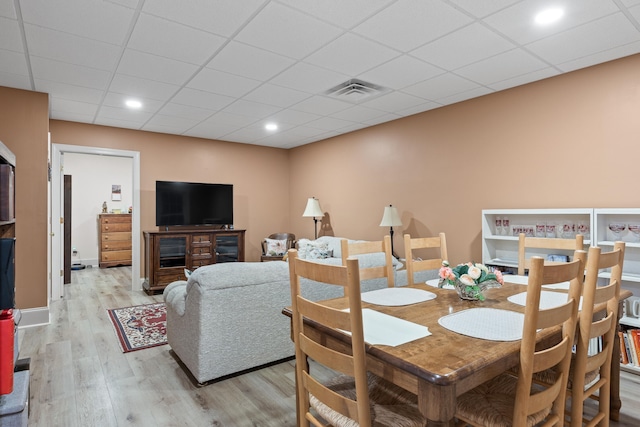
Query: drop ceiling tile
[71,117]
[393,101]
[127,115]
[351,54]
[600,57]
[387,117]
[342,13]
[47,69]
[222,83]
[525,78]
[309,78]
[10,36]
[152,67]
[359,114]
[286,31]
[98,20]
[225,117]
[463,96]
[186,111]
[70,92]
[440,87]
[407,24]
[589,39]
[321,105]
[223,17]
[118,100]
[481,9]
[465,46]
[329,123]
[172,40]
[517,21]
[13,62]
[276,95]
[635,12]
[209,130]
[419,108]
[69,106]
[630,3]
[8,10]
[137,86]
[251,109]
[169,124]
[504,66]
[118,123]
[18,81]
[241,59]
[202,99]
[70,48]
[401,72]
[293,117]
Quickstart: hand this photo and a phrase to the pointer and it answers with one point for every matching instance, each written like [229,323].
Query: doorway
[56,209]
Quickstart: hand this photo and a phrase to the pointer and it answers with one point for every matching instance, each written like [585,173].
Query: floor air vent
[355,90]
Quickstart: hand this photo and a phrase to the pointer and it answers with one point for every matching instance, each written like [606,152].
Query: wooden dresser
[114,239]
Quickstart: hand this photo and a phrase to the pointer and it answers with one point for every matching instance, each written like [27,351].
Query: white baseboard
[34,317]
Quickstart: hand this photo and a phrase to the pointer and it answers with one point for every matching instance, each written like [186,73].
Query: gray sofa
[227,318]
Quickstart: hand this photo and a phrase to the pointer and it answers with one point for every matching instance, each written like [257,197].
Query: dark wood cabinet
[169,253]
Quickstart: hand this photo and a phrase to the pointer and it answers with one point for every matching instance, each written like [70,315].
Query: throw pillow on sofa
[308,249]
[276,247]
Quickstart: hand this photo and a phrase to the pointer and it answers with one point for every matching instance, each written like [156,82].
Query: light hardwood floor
[80,377]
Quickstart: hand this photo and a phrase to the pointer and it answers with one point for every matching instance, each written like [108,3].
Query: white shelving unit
[605,238]
[501,249]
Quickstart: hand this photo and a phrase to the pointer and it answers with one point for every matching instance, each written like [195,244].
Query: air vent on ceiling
[355,90]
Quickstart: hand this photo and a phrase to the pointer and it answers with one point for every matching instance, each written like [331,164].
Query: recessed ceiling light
[549,16]
[271,126]
[133,103]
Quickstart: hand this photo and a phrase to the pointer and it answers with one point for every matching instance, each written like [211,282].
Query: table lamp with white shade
[391,218]
[313,210]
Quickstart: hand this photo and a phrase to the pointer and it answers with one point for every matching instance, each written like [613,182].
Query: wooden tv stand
[169,253]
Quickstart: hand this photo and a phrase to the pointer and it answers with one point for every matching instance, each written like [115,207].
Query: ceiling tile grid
[224,69]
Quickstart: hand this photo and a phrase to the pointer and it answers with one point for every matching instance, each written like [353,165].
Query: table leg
[437,403]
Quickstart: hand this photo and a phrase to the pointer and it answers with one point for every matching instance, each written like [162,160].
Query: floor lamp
[390,218]
[313,210]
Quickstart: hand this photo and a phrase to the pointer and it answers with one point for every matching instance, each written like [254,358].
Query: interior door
[67,228]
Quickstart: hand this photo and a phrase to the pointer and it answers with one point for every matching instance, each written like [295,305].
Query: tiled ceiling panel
[223,69]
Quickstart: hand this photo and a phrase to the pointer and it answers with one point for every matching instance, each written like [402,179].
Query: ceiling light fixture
[549,16]
[271,126]
[132,103]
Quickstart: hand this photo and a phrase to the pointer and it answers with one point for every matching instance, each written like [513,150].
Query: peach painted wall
[558,143]
[259,174]
[24,123]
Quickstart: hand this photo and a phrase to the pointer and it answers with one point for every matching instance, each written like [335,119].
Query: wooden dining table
[440,367]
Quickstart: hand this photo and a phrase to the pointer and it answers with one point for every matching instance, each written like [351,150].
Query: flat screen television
[193,204]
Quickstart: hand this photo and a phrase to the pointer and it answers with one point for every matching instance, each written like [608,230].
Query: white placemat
[382,329]
[434,283]
[548,299]
[524,280]
[486,323]
[397,296]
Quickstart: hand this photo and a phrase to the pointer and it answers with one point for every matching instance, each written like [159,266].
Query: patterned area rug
[140,326]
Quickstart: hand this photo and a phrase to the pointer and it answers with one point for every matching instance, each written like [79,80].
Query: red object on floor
[7,331]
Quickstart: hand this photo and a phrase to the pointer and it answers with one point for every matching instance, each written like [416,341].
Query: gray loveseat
[228,318]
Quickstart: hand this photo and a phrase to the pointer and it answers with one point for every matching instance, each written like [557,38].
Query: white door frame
[57,235]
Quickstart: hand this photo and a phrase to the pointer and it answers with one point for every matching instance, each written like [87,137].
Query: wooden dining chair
[507,400]
[543,243]
[353,396]
[351,249]
[414,263]
[590,374]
